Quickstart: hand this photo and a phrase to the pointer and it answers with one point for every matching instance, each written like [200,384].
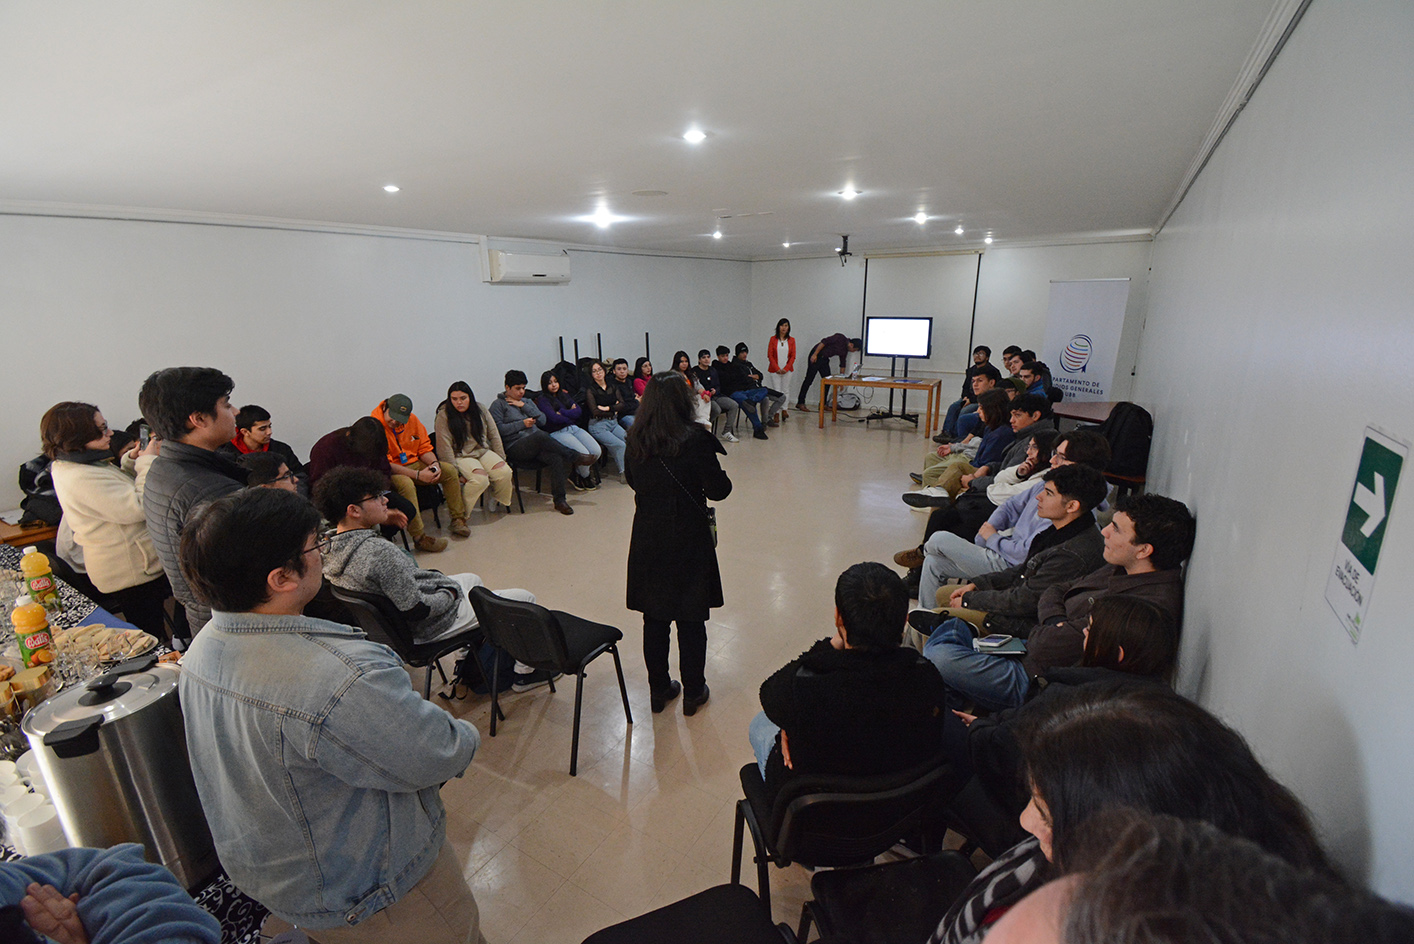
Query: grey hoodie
[364,560]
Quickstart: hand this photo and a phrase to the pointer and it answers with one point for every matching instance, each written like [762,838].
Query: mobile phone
[144,436]
[993,641]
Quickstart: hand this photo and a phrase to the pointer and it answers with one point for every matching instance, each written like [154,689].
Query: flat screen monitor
[898,337]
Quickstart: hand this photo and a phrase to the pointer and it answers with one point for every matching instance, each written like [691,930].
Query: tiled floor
[649,818]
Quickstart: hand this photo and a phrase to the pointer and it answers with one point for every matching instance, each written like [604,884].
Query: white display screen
[898,337]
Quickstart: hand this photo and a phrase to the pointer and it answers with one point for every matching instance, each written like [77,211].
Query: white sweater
[103,507]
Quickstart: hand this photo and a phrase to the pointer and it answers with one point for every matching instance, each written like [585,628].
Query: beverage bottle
[39,580]
[32,632]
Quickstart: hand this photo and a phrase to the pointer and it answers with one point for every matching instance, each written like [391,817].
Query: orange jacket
[406,442]
[774,367]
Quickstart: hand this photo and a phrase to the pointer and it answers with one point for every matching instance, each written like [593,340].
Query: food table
[932,416]
[240,916]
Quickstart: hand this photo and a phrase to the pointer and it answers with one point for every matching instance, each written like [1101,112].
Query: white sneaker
[729,436]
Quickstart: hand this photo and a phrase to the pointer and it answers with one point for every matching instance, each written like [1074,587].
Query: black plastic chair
[882,904]
[722,914]
[549,640]
[381,621]
[529,465]
[833,820]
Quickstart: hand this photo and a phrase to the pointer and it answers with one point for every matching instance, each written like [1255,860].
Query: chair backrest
[527,631]
[846,820]
[379,619]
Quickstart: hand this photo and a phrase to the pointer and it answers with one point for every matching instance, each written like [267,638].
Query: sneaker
[911,558]
[925,620]
[428,543]
[573,479]
[930,497]
[729,436]
[943,438]
[563,507]
[459,528]
[760,434]
[526,681]
[917,477]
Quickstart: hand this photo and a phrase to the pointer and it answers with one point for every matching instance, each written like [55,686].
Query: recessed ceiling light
[787,245]
[717,234]
[392,188]
[650,193]
[602,217]
[988,240]
[959,229]
[920,218]
[694,136]
[849,194]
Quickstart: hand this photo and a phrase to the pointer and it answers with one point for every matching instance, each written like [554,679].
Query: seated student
[412,461]
[603,404]
[958,475]
[361,446]
[103,513]
[625,385]
[701,400]
[1171,880]
[1067,550]
[1095,749]
[945,465]
[358,559]
[706,375]
[981,359]
[986,378]
[1149,537]
[857,703]
[642,373]
[519,421]
[775,399]
[468,440]
[268,470]
[318,767]
[560,415]
[253,428]
[78,895]
[741,388]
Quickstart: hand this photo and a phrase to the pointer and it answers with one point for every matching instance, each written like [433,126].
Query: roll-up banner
[1082,336]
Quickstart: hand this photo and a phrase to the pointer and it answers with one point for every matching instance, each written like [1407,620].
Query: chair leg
[574,739]
[802,933]
[427,683]
[623,689]
[495,694]
[537,480]
[736,843]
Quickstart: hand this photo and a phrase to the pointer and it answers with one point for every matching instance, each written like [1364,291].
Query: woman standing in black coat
[672,556]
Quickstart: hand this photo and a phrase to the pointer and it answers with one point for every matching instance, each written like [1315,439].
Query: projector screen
[898,337]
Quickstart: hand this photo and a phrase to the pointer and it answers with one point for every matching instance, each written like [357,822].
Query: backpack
[479,665]
[41,502]
[1130,430]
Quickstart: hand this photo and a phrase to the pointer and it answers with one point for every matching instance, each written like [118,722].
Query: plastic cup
[9,772]
[28,765]
[13,812]
[40,831]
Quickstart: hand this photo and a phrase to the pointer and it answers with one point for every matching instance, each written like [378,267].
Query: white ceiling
[1030,120]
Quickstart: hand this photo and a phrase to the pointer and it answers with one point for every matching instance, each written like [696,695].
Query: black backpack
[1130,431]
[40,503]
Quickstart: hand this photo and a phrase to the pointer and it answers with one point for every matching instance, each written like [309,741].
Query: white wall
[1279,326]
[315,327]
[1013,290]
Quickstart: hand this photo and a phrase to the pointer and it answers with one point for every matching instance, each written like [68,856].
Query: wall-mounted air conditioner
[526,268]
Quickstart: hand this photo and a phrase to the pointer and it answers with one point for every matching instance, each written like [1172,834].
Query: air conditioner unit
[526,268]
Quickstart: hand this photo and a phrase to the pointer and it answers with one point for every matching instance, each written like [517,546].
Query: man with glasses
[318,767]
[359,558]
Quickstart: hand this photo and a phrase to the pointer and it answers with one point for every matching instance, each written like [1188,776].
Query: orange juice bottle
[39,580]
[32,633]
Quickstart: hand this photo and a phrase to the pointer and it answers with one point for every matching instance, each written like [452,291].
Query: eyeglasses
[322,545]
[287,477]
[382,495]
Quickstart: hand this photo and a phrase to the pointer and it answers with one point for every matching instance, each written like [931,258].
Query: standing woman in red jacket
[780,356]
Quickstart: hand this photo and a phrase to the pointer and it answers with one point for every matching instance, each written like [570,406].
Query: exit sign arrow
[1371,503]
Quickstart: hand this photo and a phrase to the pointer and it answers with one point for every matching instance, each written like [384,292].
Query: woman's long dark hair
[561,396]
[1045,441]
[462,426]
[638,367]
[783,321]
[366,437]
[1148,749]
[676,358]
[993,407]
[1146,634]
[663,420]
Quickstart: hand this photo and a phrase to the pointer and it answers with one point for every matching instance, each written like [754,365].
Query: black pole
[562,347]
[646,352]
[576,352]
[972,328]
[599,343]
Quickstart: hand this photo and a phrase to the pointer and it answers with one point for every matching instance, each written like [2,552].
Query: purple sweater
[558,413]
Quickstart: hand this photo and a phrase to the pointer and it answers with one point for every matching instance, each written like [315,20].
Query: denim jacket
[318,766]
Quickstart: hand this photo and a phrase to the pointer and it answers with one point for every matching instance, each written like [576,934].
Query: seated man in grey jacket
[360,558]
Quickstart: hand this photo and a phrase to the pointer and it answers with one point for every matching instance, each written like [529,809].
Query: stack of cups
[32,824]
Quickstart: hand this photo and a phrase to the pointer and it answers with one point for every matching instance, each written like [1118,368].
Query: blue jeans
[626,421]
[968,423]
[993,682]
[610,435]
[956,409]
[762,733]
[748,400]
[579,440]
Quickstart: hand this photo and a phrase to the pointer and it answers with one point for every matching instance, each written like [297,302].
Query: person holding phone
[412,462]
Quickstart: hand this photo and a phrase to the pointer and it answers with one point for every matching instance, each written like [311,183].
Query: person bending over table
[836,345]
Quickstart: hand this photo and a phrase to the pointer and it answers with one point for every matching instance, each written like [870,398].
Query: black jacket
[1011,597]
[672,563]
[181,478]
[853,712]
[710,379]
[734,378]
[283,450]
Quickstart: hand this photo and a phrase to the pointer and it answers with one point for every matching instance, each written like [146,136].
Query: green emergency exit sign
[1357,556]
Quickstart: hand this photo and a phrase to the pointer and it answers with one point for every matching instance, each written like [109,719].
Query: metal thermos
[114,754]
